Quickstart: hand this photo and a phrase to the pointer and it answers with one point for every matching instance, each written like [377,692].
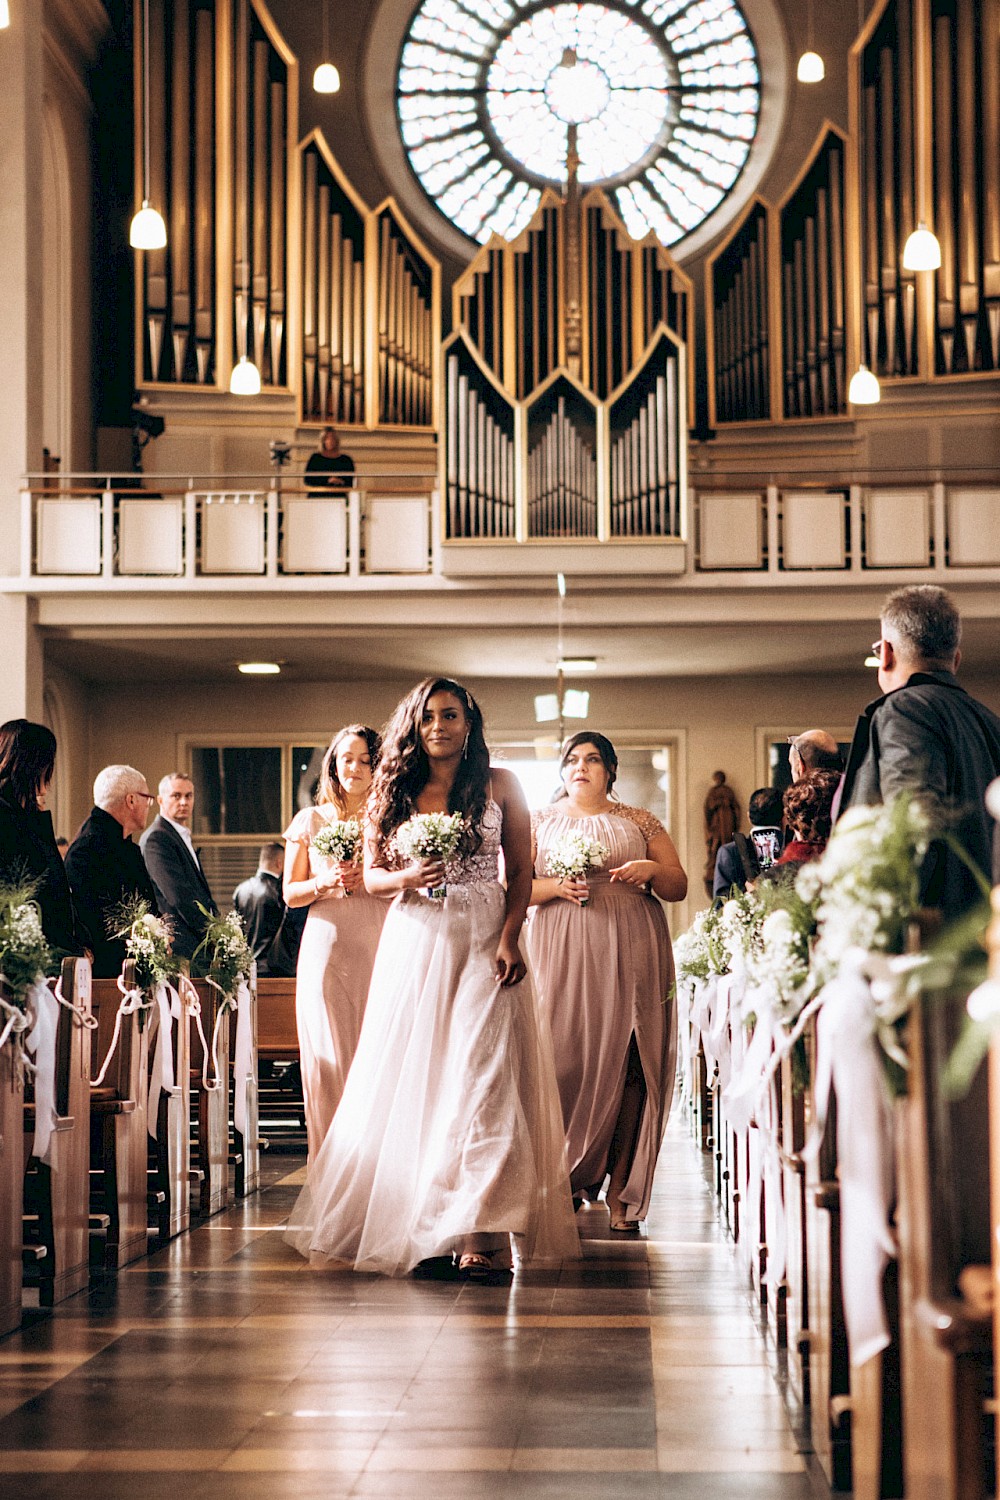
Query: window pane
[237,789]
[307,761]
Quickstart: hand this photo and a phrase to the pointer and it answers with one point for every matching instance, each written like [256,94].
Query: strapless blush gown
[331,982]
[605,973]
[450,1124]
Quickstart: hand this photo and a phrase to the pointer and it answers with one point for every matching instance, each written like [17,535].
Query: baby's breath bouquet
[147,940]
[699,952]
[778,961]
[224,955]
[430,836]
[340,842]
[573,854]
[25,955]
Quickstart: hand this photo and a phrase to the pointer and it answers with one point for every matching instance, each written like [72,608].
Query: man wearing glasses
[928,736]
[104,866]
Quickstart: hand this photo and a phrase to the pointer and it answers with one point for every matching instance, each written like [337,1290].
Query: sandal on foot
[625,1226]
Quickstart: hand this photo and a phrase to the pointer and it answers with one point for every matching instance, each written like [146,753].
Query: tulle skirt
[450,1124]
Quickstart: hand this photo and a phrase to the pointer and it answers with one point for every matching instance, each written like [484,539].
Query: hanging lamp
[147,230]
[245,377]
[326,79]
[922,251]
[864,389]
[811,68]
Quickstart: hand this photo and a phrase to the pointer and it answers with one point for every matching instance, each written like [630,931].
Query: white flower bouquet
[699,952]
[224,954]
[430,836]
[25,956]
[147,939]
[340,842]
[573,855]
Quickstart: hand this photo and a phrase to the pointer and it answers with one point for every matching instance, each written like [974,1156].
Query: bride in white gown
[448,1139]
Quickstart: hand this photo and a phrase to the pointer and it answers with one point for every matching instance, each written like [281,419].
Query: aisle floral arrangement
[573,856]
[25,958]
[430,836]
[341,842]
[223,956]
[147,939]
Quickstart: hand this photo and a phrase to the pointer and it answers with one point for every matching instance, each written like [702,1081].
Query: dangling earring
[465,747]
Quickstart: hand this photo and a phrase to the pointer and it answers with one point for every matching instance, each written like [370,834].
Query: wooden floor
[223,1367]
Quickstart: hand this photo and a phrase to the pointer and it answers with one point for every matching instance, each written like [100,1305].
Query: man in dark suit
[174,866]
[261,905]
[743,858]
[104,867]
[928,736]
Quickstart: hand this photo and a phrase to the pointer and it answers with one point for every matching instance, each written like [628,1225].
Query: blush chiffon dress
[334,970]
[605,974]
[449,1129]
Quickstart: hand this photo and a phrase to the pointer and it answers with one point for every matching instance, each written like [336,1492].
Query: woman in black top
[28,849]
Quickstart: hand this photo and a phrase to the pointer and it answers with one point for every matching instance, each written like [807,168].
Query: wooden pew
[57,1192]
[282,1110]
[247,1143]
[944,1244]
[11,1180]
[118,1137]
[829,1368]
[210,1155]
[170,1153]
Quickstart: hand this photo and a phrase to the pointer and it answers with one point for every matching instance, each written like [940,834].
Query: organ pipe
[812,285]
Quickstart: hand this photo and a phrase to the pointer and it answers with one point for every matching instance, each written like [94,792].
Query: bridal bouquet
[430,836]
[340,842]
[147,939]
[572,855]
[225,954]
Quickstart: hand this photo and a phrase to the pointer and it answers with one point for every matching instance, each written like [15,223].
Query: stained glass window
[664,96]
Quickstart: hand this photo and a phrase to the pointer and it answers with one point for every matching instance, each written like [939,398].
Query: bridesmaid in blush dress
[340,936]
[605,972]
[448,1141]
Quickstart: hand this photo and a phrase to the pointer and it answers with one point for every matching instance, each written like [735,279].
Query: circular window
[664,97]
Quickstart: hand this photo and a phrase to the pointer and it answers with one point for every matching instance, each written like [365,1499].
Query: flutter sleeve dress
[449,1126]
[331,981]
[605,974]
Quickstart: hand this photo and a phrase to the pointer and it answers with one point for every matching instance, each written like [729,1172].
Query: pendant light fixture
[922,251]
[147,230]
[864,389]
[245,379]
[811,68]
[326,79]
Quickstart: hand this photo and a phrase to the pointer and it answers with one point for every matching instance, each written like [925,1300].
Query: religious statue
[722,819]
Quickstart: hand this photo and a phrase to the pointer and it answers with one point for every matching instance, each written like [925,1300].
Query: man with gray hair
[928,736]
[813,750]
[105,868]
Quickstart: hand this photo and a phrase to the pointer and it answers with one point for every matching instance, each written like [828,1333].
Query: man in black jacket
[105,868]
[927,735]
[261,905]
[174,866]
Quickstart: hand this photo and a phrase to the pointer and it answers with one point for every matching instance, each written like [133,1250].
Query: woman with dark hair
[807,806]
[448,1140]
[338,944]
[28,850]
[604,967]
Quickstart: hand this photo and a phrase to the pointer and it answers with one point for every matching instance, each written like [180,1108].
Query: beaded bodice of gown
[472,869]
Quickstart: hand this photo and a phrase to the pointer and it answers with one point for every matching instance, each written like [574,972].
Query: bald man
[814,750]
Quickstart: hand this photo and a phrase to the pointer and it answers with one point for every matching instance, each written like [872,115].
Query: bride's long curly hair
[404,770]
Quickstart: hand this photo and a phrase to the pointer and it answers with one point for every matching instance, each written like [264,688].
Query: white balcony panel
[812,529]
[151,537]
[315,535]
[232,534]
[68,536]
[974,528]
[730,531]
[397,534]
[898,529]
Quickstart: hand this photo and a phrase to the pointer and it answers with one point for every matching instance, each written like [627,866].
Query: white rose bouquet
[573,855]
[225,955]
[430,836]
[340,842]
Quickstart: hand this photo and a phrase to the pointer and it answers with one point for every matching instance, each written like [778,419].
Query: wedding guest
[27,843]
[259,902]
[62,844]
[174,866]
[329,468]
[813,750]
[808,809]
[743,859]
[105,868]
[339,940]
[448,1138]
[602,957]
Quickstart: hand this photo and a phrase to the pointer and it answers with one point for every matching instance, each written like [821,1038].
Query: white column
[21,259]
[21,681]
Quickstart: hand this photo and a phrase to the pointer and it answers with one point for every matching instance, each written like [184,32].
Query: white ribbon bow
[42,1005]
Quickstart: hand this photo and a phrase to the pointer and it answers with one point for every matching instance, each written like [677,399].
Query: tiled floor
[223,1367]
